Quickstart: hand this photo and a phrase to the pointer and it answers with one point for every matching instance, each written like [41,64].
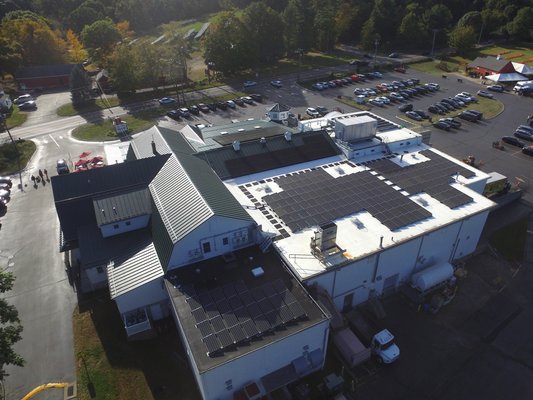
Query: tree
[438,17]
[38,42]
[84,15]
[77,52]
[472,18]
[521,26]
[80,85]
[100,37]
[10,56]
[123,69]
[10,328]
[266,29]
[324,25]
[123,28]
[412,30]
[462,38]
[229,45]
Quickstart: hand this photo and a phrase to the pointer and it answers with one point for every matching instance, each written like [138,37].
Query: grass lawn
[510,240]
[17,118]
[8,156]
[103,131]
[68,110]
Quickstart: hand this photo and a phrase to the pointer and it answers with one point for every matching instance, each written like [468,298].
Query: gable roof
[201,195]
[136,267]
[277,152]
[491,63]
[74,192]
[44,71]
[523,68]
[166,141]
[278,108]
[122,206]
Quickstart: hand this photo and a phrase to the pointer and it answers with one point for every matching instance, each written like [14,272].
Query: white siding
[145,295]
[470,232]
[438,246]
[213,231]
[119,227]
[253,366]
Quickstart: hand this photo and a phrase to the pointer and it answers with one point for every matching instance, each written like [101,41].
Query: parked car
[377,103]
[62,167]
[446,106]
[247,84]
[212,106]
[222,105]
[434,110]
[231,104]
[441,108]
[6,180]
[452,122]
[467,116]
[484,93]
[257,97]
[513,141]
[319,86]
[405,107]
[276,83]
[28,105]
[321,110]
[397,96]
[203,108]
[413,115]
[166,101]
[247,99]
[477,113]
[23,99]
[442,125]
[383,99]
[524,135]
[174,114]
[435,86]
[184,112]
[394,55]
[312,112]
[239,101]
[525,128]
[5,195]
[496,88]
[422,114]
[528,150]
[5,186]
[194,110]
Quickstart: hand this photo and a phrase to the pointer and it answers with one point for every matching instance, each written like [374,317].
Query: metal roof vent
[223,133]
[257,127]
[103,212]
[240,130]
[263,141]
[288,136]
[236,145]
[114,210]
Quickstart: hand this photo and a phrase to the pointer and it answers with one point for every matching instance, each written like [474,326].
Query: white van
[520,85]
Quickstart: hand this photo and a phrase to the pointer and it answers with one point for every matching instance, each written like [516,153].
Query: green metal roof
[123,206]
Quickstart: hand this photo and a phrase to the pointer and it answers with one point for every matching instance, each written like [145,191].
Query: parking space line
[57,144]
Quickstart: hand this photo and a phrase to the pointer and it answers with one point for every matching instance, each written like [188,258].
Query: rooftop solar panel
[199,315]
[223,307]
[193,303]
[238,333]
[230,319]
[205,328]
[213,344]
[249,328]
[211,312]
[263,325]
[297,310]
[226,340]
[218,323]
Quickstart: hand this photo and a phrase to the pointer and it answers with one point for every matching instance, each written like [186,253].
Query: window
[225,241]
[206,247]
[100,270]
[115,226]
[128,223]
[229,384]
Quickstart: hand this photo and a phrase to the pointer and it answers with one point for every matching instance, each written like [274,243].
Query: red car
[400,69]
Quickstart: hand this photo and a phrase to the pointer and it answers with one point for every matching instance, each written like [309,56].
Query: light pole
[300,53]
[433,42]
[481,31]
[376,43]
[3,120]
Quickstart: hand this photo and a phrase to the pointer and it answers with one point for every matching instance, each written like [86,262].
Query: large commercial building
[229,228]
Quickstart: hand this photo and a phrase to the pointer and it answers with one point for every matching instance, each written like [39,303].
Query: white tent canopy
[510,77]
[523,68]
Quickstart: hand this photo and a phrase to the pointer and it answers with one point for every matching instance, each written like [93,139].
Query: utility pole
[376,43]
[3,120]
[481,31]
[433,42]
[300,53]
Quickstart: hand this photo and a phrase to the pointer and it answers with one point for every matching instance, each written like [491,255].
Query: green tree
[462,38]
[80,85]
[10,56]
[438,17]
[412,31]
[229,44]
[123,69]
[266,29]
[472,18]
[10,329]
[293,19]
[87,13]
[521,27]
[383,21]
[324,25]
[100,37]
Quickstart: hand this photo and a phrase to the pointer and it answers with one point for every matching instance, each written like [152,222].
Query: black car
[442,125]
[203,108]
[524,135]
[405,107]
[174,114]
[422,114]
[194,110]
[239,101]
[222,105]
[212,106]
[467,116]
[433,110]
[321,110]
[496,88]
[6,180]
[513,141]
[477,113]
[257,97]
[446,106]
[29,105]
[441,108]
[528,150]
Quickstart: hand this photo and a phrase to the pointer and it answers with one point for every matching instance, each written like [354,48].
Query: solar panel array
[232,315]
[314,197]
[433,177]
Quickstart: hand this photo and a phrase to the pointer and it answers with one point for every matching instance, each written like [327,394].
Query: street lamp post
[3,120]
[433,42]
[376,43]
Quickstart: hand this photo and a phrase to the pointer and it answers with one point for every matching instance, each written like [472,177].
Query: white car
[23,99]
[486,94]
[383,99]
[312,112]
[249,83]
[276,83]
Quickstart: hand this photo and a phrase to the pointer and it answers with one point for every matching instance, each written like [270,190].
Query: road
[42,293]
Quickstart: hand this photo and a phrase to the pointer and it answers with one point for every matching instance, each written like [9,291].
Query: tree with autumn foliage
[123,28]
[76,51]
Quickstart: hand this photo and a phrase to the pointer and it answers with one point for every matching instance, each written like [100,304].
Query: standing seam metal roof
[123,206]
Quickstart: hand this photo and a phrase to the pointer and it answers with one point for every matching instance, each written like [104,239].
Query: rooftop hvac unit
[325,237]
